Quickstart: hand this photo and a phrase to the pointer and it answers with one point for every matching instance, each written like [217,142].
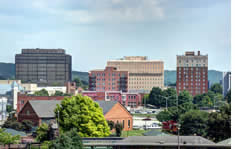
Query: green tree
[194,122]
[145,99]
[228,96]
[206,102]
[216,88]
[9,108]
[78,82]
[42,133]
[219,124]
[170,94]
[7,138]
[13,124]
[155,97]
[111,124]
[67,140]
[184,97]
[27,125]
[118,129]
[82,113]
[164,116]
[58,93]
[42,92]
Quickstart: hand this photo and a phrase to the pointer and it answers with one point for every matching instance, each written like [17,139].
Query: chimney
[198,53]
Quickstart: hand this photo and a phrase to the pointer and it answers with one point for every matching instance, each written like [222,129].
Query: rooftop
[43,51]
[44,108]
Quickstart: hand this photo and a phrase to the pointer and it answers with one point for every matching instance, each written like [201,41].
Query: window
[129,123]
[123,124]
[28,112]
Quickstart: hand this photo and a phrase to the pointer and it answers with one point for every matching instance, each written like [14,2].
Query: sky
[95,31]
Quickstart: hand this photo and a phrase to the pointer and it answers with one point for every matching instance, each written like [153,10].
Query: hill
[214,76]
[7,71]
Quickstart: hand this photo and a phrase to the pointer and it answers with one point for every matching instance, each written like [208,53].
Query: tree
[216,88]
[155,97]
[82,113]
[27,125]
[42,132]
[184,97]
[9,108]
[13,124]
[194,122]
[7,138]
[173,113]
[68,140]
[58,93]
[78,82]
[164,116]
[228,96]
[42,92]
[219,124]
[111,124]
[145,99]
[118,129]
[170,94]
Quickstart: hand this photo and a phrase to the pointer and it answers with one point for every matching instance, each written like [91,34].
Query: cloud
[102,11]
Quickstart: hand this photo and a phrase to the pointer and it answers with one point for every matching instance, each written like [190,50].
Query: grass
[133,133]
[145,115]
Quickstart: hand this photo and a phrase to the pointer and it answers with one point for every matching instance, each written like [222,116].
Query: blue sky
[94,31]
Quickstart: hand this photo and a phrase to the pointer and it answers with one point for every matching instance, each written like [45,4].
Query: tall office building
[108,79]
[226,82]
[192,73]
[144,74]
[43,66]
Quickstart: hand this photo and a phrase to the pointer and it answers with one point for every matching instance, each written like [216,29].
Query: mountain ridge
[7,71]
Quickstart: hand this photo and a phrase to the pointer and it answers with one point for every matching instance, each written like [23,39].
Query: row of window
[205,69]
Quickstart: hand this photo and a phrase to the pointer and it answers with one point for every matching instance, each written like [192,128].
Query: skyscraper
[43,66]
[144,74]
[192,73]
[226,82]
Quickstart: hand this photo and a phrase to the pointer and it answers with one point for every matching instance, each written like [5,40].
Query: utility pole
[178,132]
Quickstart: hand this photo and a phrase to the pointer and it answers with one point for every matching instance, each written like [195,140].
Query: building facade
[144,74]
[226,82]
[43,66]
[23,98]
[109,79]
[192,73]
[132,100]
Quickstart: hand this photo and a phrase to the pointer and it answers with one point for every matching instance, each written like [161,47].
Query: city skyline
[94,32]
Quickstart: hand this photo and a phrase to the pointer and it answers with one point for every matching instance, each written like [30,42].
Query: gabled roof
[106,105]
[227,141]
[44,108]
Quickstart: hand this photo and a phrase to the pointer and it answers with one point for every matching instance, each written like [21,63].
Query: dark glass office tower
[46,67]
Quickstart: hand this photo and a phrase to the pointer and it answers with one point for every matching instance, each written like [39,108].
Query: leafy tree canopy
[7,138]
[194,122]
[118,129]
[184,97]
[219,124]
[67,140]
[216,88]
[82,113]
[42,132]
[42,92]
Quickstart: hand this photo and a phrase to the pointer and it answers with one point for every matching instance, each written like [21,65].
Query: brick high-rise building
[192,73]
[144,74]
[108,79]
[43,66]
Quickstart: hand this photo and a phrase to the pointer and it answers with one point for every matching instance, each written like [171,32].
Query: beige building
[144,74]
